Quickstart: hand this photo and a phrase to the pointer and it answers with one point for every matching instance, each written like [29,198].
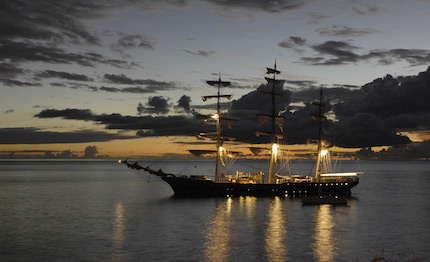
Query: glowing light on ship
[275,152]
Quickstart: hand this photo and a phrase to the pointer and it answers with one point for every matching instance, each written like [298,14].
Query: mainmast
[217,117]
[274,119]
[320,117]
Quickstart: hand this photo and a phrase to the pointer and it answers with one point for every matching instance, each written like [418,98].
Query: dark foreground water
[102,211]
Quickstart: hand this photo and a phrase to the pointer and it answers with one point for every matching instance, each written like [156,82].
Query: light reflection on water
[324,241]
[119,232]
[218,246]
[275,238]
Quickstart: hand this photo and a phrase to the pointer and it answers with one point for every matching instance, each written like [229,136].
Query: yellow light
[275,149]
[324,152]
[275,152]
[216,116]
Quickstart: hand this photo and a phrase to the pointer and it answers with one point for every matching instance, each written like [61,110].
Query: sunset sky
[128,76]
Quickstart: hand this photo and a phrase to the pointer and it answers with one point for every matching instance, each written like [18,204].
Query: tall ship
[325,182]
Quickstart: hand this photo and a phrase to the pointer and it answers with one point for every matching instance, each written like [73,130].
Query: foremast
[217,117]
[274,120]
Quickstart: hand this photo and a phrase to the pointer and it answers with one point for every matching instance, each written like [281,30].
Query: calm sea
[102,211]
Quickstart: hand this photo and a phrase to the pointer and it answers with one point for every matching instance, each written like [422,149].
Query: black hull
[188,187]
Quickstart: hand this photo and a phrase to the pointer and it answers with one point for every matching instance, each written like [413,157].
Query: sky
[128,76]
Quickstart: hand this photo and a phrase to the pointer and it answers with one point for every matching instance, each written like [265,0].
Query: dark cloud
[155,105]
[260,5]
[90,152]
[134,41]
[93,88]
[345,31]
[32,135]
[199,52]
[399,102]
[334,95]
[341,52]
[25,51]
[133,90]
[153,85]
[414,57]
[372,115]
[63,75]
[12,82]
[184,103]
[409,151]
[293,42]
[146,125]
[303,84]
[8,70]
[69,113]
[43,20]
[366,9]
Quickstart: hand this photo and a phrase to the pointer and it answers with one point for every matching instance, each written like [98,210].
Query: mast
[273,139]
[320,117]
[274,119]
[217,117]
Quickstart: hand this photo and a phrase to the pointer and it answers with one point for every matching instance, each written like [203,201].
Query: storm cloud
[32,135]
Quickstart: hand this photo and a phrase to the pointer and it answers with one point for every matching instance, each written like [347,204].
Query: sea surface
[103,211]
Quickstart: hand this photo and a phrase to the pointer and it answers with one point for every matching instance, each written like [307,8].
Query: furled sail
[217,96]
[219,82]
[272,71]
[275,81]
[257,150]
[279,120]
[214,136]
[201,152]
[265,94]
[259,133]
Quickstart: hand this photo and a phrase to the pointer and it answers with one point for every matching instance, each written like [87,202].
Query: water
[102,211]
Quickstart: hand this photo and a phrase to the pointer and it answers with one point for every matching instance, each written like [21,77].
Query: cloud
[199,52]
[345,31]
[372,115]
[184,103]
[25,51]
[63,75]
[293,42]
[151,84]
[9,111]
[31,135]
[260,5]
[155,105]
[398,102]
[69,113]
[12,82]
[133,90]
[341,53]
[8,70]
[52,21]
[366,9]
[134,41]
